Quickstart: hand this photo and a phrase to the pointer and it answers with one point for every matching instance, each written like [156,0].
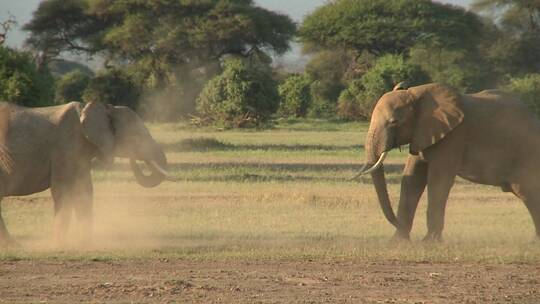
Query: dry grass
[278,194]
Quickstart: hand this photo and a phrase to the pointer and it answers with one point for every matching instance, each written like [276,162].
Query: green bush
[358,99]
[527,88]
[71,86]
[239,97]
[21,82]
[113,86]
[295,96]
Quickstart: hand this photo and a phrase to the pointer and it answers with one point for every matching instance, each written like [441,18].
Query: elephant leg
[531,199]
[63,210]
[5,238]
[413,185]
[440,181]
[84,207]
[73,196]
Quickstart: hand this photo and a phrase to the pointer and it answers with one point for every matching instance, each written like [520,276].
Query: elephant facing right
[488,138]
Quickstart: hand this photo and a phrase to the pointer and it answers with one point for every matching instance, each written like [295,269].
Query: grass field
[269,216]
[281,193]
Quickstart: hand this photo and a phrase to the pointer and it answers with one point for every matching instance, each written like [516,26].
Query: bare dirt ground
[179,281]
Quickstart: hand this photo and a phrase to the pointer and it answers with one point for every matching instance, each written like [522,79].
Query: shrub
[295,96]
[21,82]
[527,88]
[239,97]
[113,86]
[71,86]
[358,99]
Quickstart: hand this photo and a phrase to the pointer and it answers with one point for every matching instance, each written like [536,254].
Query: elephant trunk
[376,148]
[157,166]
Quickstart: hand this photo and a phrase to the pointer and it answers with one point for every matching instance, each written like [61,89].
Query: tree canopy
[388,26]
[158,33]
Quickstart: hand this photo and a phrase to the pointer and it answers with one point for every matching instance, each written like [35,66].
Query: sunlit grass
[278,194]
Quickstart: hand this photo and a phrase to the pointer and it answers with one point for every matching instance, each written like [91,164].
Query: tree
[21,82]
[6,27]
[239,97]
[462,69]
[513,47]
[528,90]
[295,96]
[59,26]
[358,99]
[113,86]
[166,42]
[328,72]
[518,16]
[71,86]
[388,26]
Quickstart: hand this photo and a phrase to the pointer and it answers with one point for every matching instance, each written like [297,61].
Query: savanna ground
[269,217]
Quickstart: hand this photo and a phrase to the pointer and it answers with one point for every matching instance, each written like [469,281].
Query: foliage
[358,99]
[459,68]
[113,86]
[295,96]
[513,42]
[71,86]
[239,97]
[528,89]
[167,43]
[516,16]
[388,26]
[59,26]
[21,82]
[328,72]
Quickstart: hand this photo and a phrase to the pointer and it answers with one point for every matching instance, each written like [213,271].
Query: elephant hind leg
[5,239]
[531,198]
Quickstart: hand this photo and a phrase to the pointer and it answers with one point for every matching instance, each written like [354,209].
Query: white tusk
[375,167]
[377,164]
[163,171]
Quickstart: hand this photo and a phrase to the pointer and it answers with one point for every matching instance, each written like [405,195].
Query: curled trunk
[156,174]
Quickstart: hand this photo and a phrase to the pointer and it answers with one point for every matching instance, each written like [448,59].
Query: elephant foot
[401,236]
[432,238]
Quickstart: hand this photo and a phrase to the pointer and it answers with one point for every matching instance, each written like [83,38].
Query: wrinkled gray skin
[52,147]
[487,138]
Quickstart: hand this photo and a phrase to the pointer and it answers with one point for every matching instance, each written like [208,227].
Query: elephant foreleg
[63,210]
[84,207]
[73,196]
[413,185]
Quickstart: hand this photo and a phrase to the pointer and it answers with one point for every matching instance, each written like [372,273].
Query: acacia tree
[162,42]
[388,26]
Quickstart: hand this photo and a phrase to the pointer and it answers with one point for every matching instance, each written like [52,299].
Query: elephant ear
[97,128]
[439,111]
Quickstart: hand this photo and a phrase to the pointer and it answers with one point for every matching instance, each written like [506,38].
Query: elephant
[488,138]
[53,147]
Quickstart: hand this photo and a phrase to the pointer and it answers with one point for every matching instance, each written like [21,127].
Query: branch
[6,27]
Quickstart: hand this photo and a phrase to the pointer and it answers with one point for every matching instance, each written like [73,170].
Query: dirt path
[266,282]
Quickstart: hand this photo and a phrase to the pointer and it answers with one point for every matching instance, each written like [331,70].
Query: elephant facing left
[53,147]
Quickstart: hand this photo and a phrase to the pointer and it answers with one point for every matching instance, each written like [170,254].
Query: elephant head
[117,131]
[420,116]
